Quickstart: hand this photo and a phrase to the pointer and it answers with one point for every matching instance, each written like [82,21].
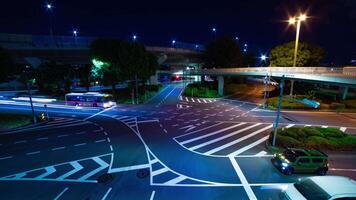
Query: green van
[294,160]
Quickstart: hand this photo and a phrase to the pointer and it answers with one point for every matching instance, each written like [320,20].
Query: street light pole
[275,126]
[26,71]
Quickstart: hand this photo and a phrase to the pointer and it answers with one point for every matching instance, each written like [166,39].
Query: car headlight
[284,164]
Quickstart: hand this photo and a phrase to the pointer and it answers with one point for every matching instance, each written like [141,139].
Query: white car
[321,188]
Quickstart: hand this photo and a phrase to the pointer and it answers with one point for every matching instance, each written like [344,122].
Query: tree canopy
[308,55]
[224,52]
[6,65]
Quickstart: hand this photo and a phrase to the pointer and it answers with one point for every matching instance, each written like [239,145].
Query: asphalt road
[173,147]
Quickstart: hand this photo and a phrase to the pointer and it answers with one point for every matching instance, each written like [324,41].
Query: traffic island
[12,121]
[328,139]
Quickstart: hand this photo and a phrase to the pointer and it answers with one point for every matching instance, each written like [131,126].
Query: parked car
[321,188]
[294,160]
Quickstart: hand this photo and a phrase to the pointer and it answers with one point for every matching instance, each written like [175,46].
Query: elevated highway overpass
[344,77]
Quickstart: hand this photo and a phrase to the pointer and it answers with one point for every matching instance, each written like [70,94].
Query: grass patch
[205,90]
[314,138]
[9,121]
[286,103]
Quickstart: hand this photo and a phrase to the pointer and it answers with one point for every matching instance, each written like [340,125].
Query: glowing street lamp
[134,37]
[49,6]
[173,42]
[263,57]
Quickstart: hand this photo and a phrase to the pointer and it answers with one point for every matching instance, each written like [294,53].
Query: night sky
[259,23]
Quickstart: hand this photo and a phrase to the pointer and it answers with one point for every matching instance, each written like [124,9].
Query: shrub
[285,141]
[331,132]
[312,131]
[317,142]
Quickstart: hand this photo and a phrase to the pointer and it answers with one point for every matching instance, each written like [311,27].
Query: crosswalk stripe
[49,170]
[245,148]
[236,141]
[122,117]
[154,161]
[160,171]
[198,100]
[213,133]
[204,101]
[180,98]
[290,125]
[176,180]
[201,129]
[193,100]
[127,120]
[223,137]
[102,164]
[186,99]
[77,167]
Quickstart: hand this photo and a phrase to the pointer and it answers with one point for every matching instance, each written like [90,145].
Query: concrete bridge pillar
[344,92]
[221,85]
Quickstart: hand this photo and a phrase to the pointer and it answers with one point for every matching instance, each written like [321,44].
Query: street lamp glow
[173,41]
[263,57]
[302,17]
[236,38]
[213,29]
[75,33]
[291,20]
[134,37]
[49,6]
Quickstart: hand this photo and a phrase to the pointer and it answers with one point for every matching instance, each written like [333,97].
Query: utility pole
[26,71]
[136,88]
[281,86]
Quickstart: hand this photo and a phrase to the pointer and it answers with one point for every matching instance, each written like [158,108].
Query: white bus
[90,99]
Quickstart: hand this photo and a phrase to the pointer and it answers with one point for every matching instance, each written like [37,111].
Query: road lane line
[243,180]
[64,135]
[98,141]
[236,141]
[337,169]
[245,148]
[129,168]
[213,133]
[324,126]
[32,153]
[160,171]
[42,138]
[154,161]
[111,148]
[198,130]
[20,142]
[176,180]
[152,195]
[98,113]
[106,194]
[222,137]
[60,194]
[81,144]
[7,157]
[58,148]
[102,164]
[108,139]
[83,132]
[148,121]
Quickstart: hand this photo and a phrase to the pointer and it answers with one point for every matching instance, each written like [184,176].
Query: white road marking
[154,161]
[210,134]
[223,137]
[243,180]
[108,139]
[160,171]
[98,141]
[101,112]
[200,129]
[245,148]
[106,194]
[176,180]
[193,100]
[236,141]
[186,99]
[165,130]
[42,138]
[77,167]
[343,129]
[198,100]
[148,121]
[111,148]
[152,195]
[307,125]
[102,164]
[204,101]
[290,125]
[261,153]
[129,168]
[83,132]
[324,126]
[49,170]
[64,135]
[58,148]
[60,194]
[81,144]
[19,142]
[34,152]
[7,157]
[338,169]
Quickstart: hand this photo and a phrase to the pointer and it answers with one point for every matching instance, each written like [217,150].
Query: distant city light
[236,38]
[245,45]
[213,29]
[49,6]
[173,41]
[245,50]
[134,37]
[196,46]
[75,33]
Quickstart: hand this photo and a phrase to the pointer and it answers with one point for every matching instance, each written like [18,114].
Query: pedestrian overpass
[344,77]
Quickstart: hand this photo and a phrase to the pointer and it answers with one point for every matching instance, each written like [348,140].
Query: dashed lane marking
[61,193]
[81,144]
[32,153]
[106,194]
[58,148]
[129,168]
[98,141]
[152,195]
[20,142]
[7,157]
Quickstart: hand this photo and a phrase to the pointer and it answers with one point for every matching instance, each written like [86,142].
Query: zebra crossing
[229,139]
[129,121]
[84,170]
[196,100]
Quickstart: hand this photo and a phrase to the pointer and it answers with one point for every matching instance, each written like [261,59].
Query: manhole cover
[105,178]
[142,173]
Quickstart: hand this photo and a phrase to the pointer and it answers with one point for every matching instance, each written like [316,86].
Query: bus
[90,99]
